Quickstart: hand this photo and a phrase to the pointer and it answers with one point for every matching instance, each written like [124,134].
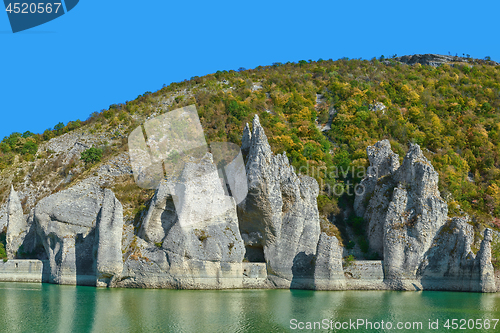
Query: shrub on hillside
[3,253]
[91,155]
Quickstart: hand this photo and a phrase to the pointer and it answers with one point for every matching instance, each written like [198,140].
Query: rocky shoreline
[271,239]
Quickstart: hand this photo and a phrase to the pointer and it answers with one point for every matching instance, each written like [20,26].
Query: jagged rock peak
[259,155]
[246,140]
[488,235]
[259,137]
[413,217]
[415,154]
[383,161]
[382,158]
[259,141]
[14,202]
[256,122]
[279,218]
[417,170]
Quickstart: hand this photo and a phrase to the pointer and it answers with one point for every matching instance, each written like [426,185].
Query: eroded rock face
[17,225]
[427,59]
[409,225]
[192,218]
[246,140]
[328,271]
[414,216]
[190,237]
[279,218]
[383,161]
[405,209]
[451,265]
[435,60]
[66,224]
[160,217]
[450,255]
[486,271]
[108,241]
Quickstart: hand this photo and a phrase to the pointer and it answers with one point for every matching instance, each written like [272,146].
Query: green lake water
[54,308]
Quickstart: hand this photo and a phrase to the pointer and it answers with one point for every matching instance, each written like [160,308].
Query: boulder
[108,241]
[377,107]
[17,225]
[279,218]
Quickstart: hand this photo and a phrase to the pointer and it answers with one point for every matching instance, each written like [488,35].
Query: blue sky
[105,52]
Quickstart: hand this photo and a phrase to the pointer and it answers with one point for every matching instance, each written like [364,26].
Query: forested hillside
[452,111]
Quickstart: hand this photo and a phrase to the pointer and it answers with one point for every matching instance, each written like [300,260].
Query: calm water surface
[54,308]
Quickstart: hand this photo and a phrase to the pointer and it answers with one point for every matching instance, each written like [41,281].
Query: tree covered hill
[323,114]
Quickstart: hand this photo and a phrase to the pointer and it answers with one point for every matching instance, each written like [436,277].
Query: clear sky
[110,51]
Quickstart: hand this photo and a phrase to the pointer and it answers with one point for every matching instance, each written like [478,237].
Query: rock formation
[328,126]
[450,263]
[428,59]
[383,161]
[408,223]
[436,60]
[328,271]
[279,218]
[414,216]
[486,270]
[378,106]
[108,240]
[157,219]
[17,226]
[191,233]
[196,236]
[405,209]
[193,218]
[246,140]
[449,257]
[67,223]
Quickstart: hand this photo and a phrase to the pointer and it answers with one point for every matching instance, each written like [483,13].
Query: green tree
[59,126]
[91,155]
[29,148]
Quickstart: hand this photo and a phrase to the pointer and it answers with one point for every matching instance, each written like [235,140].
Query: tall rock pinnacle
[16,224]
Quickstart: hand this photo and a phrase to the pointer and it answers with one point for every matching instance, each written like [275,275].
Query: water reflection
[53,308]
